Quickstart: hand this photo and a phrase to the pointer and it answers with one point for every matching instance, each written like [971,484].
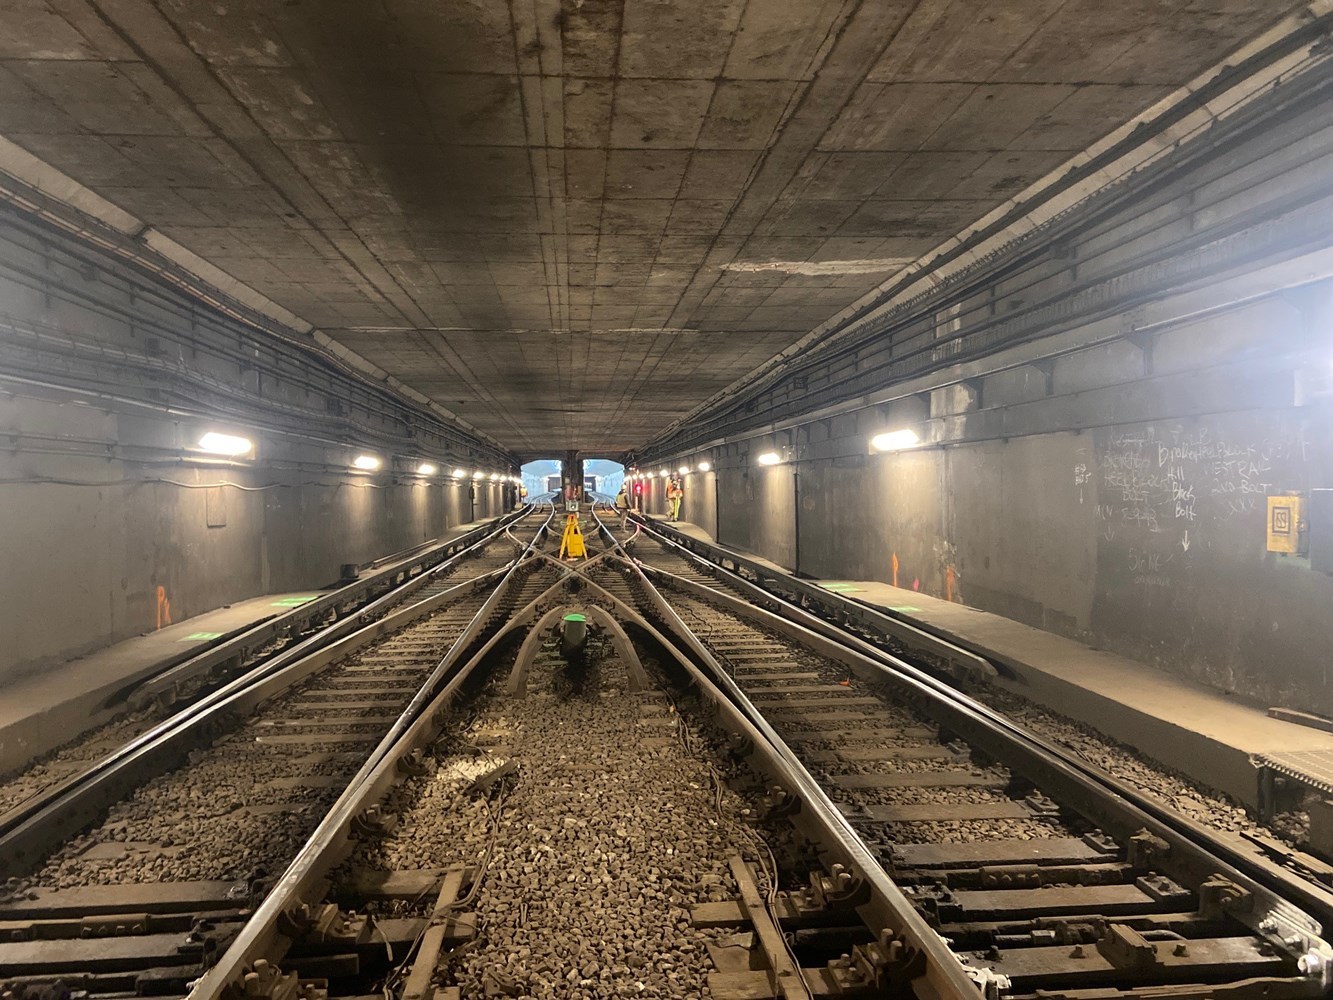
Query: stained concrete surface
[1090,536]
[572,221]
[95,537]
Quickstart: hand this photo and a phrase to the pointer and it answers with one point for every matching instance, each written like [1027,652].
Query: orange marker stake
[163,607]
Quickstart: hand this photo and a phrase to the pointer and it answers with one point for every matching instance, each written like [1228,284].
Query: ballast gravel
[240,809]
[1202,804]
[606,836]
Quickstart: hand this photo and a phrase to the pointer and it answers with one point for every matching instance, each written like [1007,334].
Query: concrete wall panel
[1183,575]
[1015,538]
[699,505]
[90,541]
[1147,538]
[756,512]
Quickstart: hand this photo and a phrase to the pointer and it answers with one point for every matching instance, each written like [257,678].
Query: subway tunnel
[916,416]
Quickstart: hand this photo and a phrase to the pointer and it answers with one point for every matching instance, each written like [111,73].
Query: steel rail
[1194,854]
[304,879]
[1313,897]
[945,972]
[63,810]
[960,660]
[766,595]
[402,575]
[454,551]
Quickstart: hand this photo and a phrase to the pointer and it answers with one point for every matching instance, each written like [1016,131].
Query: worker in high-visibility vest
[622,505]
[674,496]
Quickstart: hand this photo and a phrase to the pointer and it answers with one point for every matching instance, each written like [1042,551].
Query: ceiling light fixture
[460,473]
[704,466]
[684,470]
[366,463]
[769,458]
[426,469]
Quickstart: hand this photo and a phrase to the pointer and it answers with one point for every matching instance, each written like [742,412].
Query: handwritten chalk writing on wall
[1161,474]
[1167,491]
[1082,477]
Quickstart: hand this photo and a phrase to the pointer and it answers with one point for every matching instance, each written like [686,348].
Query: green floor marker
[196,636]
[292,602]
[902,607]
[842,587]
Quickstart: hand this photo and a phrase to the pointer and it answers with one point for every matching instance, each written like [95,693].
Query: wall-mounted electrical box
[1285,524]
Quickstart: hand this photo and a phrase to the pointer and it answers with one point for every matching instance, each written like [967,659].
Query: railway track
[579,759]
[579,818]
[209,805]
[1042,876]
[310,626]
[828,890]
[634,783]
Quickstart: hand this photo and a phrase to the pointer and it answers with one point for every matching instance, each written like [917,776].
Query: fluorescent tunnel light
[366,463]
[231,445]
[895,440]
[769,458]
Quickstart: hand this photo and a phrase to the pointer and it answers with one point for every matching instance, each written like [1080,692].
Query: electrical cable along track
[1045,880]
[192,821]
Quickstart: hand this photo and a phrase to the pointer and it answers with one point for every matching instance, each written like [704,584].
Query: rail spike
[775,804]
[413,763]
[884,967]
[265,981]
[372,823]
[740,746]
[318,923]
[829,892]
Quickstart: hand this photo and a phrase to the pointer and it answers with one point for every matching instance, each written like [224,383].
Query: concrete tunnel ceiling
[571,222]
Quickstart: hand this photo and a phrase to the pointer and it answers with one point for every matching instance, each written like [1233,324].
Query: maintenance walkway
[43,710]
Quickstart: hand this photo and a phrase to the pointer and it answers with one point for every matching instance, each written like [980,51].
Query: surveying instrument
[571,542]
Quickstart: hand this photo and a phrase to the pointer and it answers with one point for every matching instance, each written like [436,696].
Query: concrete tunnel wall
[89,533]
[85,561]
[1141,530]
[1102,423]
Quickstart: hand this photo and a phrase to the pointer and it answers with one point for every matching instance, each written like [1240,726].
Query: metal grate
[1310,767]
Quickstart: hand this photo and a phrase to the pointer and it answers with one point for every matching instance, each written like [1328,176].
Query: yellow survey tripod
[571,541]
